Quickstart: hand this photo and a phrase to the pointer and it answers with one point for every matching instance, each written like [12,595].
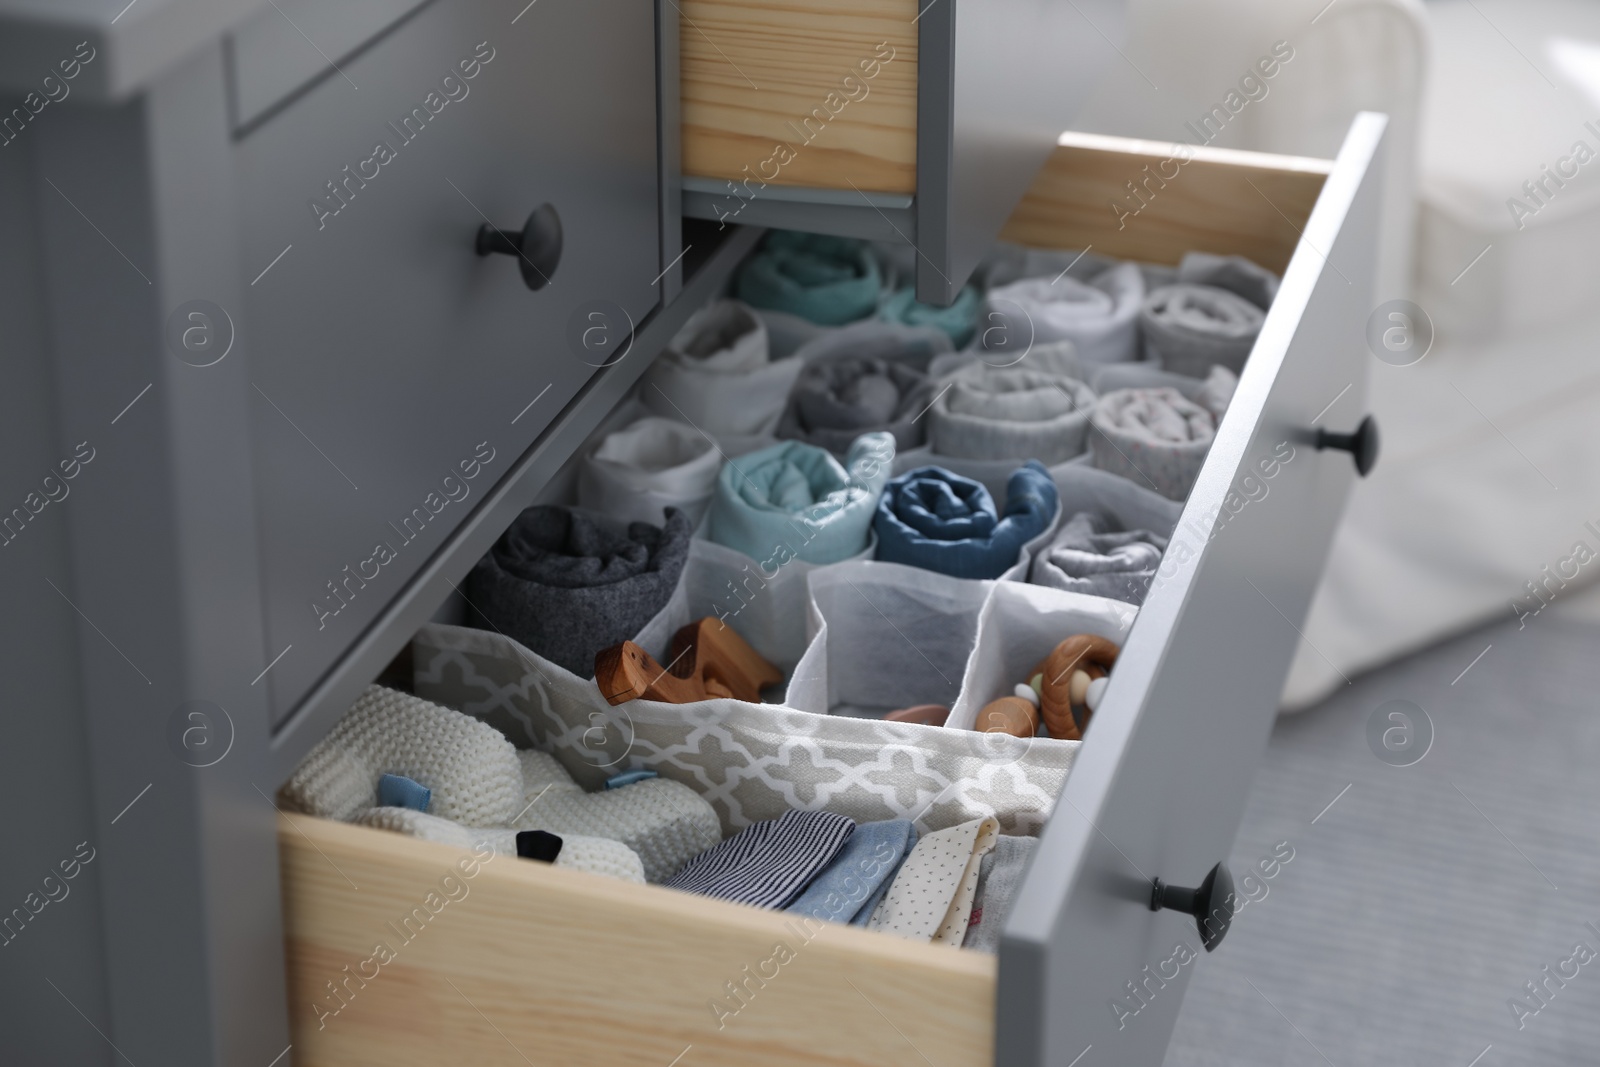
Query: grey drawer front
[389,360]
[1161,782]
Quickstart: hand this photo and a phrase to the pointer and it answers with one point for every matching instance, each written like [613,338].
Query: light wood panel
[567,968]
[754,70]
[1217,200]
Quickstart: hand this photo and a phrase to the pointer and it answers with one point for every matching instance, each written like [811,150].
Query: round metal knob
[1211,904]
[537,247]
[1363,444]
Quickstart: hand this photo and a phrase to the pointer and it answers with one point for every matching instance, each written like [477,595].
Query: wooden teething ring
[1091,654]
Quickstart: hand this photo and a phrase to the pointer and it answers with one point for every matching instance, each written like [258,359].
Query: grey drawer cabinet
[364,357]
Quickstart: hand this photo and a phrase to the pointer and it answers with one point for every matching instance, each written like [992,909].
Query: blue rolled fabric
[959,320]
[827,280]
[398,791]
[795,501]
[859,874]
[939,521]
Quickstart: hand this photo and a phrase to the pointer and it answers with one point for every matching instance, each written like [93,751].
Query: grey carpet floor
[1422,900]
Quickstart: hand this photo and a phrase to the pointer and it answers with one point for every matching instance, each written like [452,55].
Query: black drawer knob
[1363,444]
[1211,904]
[537,247]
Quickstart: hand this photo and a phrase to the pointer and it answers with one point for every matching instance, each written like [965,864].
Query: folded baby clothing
[1216,393]
[999,877]
[847,891]
[1155,437]
[794,493]
[596,855]
[931,898]
[939,521]
[638,472]
[958,321]
[827,280]
[1093,554]
[1016,413]
[570,583]
[770,863]
[867,377]
[1099,316]
[1190,327]
[1236,274]
[468,767]
[665,823]
[718,376]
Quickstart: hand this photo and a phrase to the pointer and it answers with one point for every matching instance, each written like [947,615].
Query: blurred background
[1439,793]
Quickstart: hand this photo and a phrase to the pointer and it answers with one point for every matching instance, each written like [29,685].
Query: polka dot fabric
[931,898]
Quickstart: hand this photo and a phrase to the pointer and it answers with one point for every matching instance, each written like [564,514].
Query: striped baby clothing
[770,863]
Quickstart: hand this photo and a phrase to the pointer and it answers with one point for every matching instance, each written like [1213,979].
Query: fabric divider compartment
[1019,626]
[885,636]
[1086,488]
[751,762]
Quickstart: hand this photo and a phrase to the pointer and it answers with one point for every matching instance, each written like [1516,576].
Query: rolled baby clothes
[792,492]
[636,473]
[1092,554]
[665,823]
[1100,316]
[1236,274]
[717,375]
[769,864]
[596,855]
[1217,392]
[826,280]
[568,583]
[999,877]
[1014,413]
[1190,327]
[931,898]
[864,378]
[1154,437]
[958,321]
[939,521]
[467,767]
[859,874]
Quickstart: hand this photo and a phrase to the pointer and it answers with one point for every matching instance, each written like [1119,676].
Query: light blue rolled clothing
[798,494]
[859,874]
[826,280]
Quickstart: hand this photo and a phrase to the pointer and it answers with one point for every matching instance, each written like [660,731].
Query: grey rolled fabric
[568,583]
[1236,274]
[1190,327]
[1093,554]
[1217,392]
[1153,437]
[1099,316]
[999,877]
[1010,413]
[864,378]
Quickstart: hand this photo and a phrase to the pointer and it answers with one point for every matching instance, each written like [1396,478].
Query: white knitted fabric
[596,855]
[665,822]
[470,766]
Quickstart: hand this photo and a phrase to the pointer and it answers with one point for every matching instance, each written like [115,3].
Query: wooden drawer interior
[545,965]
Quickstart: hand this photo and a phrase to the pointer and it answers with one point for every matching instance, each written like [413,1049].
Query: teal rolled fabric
[795,501]
[959,320]
[826,280]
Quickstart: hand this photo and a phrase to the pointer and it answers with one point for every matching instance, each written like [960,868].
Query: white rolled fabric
[1011,413]
[638,472]
[1099,316]
[717,375]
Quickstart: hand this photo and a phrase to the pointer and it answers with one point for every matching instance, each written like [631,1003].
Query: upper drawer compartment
[398,373]
[891,119]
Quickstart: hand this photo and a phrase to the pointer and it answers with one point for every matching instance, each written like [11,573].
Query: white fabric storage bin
[1086,488]
[750,761]
[1018,627]
[885,636]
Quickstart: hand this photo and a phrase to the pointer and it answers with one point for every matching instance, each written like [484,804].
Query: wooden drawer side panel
[757,74]
[525,960]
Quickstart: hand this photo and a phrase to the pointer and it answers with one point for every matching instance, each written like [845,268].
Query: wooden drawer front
[862,105]
[521,963]
[1162,779]
[397,375]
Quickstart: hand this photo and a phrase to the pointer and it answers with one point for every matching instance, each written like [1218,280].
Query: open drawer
[892,119]
[539,964]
